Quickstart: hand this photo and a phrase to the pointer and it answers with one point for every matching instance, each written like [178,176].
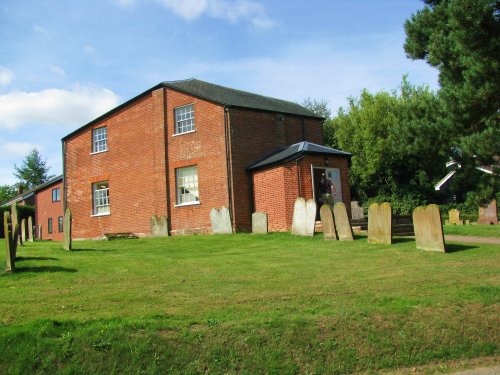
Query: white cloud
[127,4]
[19,148]
[69,108]
[229,10]
[58,71]
[6,76]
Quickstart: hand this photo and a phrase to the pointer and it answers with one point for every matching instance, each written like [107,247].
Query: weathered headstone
[13,217]
[159,226]
[221,221]
[489,214]
[39,232]
[10,258]
[380,223]
[259,223]
[30,229]
[454,217]
[68,222]
[23,230]
[304,217]
[342,222]
[428,228]
[357,211]
[326,215]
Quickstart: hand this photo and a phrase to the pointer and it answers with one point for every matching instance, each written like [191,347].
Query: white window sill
[189,132]
[98,152]
[97,215]
[187,204]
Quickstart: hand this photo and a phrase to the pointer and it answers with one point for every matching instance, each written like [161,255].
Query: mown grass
[473,230]
[246,304]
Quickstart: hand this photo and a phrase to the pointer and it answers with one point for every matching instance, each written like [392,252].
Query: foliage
[246,304]
[398,142]
[462,40]
[401,204]
[7,192]
[321,108]
[33,170]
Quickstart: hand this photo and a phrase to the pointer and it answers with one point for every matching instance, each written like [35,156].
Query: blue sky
[63,63]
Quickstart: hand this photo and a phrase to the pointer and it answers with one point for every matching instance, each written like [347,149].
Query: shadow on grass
[402,239]
[45,269]
[453,248]
[21,259]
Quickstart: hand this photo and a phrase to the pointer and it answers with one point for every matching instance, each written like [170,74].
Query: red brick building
[49,209]
[184,147]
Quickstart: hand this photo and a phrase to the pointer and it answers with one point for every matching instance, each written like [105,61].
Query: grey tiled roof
[33,190]
[292,152]
[237,98]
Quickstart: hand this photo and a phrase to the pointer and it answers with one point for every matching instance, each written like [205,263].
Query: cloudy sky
[63,63]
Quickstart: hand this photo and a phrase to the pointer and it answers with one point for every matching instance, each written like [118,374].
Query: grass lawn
[274,304]
[473,230]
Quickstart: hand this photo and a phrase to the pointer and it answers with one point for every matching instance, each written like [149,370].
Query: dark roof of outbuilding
[284,154]
[28,193]
[221,95]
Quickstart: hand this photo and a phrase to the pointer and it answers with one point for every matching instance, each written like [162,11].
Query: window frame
[95,143]
[105,198]
[185,184]
[49,226]
[60,225]
[176,121]
[58,194]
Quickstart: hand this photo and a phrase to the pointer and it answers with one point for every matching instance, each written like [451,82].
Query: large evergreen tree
[33,170]
[461,38]
[7,192]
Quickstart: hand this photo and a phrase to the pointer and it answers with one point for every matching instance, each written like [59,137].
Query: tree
[7,192]
[33,170]
[398,142]
[321,108]
[462,40]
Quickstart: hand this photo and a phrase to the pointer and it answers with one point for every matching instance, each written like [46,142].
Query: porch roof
[287,153]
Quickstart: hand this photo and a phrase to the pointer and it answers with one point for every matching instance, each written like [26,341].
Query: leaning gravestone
[380,223]
[304,217]
[68,222]
[259,223]
[428,228]
[342,222]
[159,226]
[10,258]
[489,214]
[13,216]
[23,230]
[328,224]
[30,229]
[357,211]
[221,221]
[454,217]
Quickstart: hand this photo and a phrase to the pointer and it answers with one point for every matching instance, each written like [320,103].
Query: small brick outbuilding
[182,148]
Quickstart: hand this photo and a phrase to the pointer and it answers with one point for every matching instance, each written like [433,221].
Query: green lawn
[473,230]
[274,304]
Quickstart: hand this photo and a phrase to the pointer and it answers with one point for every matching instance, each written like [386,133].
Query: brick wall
[275,189]
[134,167]
[205,148]
[253,135]
[46,208]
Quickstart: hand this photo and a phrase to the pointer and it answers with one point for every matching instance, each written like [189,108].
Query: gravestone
[221,221]
[10,257]
[304,217]
[30,229]
[428,228]
[342,223]
[23,230]
[14,222]
[159,226]
[489,214]
[68,222]
[380,223]
[328,224]
[454,217]
[259,223]
[357,211]
[39,232]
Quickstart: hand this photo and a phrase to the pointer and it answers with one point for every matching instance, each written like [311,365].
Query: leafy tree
[462,40]
[321,108]
[33,170]
[398,142]
[7,192]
